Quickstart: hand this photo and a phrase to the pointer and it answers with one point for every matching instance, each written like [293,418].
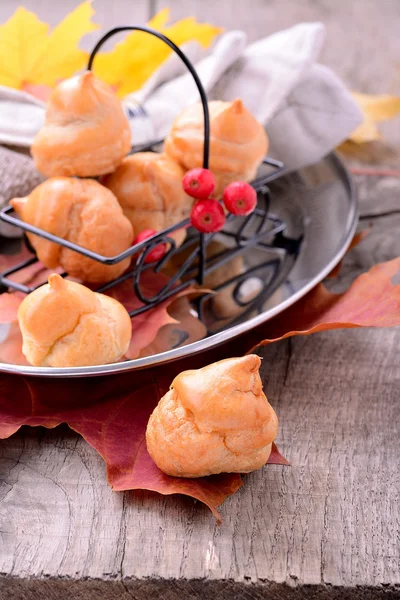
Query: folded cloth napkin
[306,109]
[18,177]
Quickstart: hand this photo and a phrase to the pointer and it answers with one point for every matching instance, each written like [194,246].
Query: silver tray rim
[218,338]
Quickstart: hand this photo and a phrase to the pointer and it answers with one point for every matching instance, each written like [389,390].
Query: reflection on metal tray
[316,215]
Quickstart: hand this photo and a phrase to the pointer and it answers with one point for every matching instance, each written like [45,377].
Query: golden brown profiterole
[86,132]
[148,186]
[213,420]
[238,142]
[64,324]
[81,211]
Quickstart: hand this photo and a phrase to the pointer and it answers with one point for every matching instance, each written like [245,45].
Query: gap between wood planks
[374,172]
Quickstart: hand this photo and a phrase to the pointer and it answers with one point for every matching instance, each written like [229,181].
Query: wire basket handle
[185,60]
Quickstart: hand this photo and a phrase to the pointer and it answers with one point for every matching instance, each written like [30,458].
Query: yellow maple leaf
[128,66]
[375,109]
[29,54]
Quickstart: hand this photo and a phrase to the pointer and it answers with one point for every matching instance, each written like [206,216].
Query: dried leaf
[373,300]
[111,413]
[374,153]
[30,55]
[276,458]
[34,60]
[375,109]
[186,329]
[128,66]
[146,326]
[32,275]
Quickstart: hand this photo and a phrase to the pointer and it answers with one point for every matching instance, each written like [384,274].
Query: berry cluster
[208,215]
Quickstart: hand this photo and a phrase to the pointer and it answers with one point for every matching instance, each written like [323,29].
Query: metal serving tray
[319,206]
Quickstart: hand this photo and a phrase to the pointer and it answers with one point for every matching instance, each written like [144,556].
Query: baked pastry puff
[64,324]
[148,186]
[81,211]
[238,142]
[213,420]
[86,132]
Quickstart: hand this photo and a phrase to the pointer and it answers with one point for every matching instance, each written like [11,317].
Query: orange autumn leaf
[11,260]
[185,329]
[373,300]
[111,413]
[11,346]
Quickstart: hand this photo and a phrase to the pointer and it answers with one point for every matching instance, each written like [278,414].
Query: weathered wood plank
[327,527]
[377,195]
[200,589]
[332,518]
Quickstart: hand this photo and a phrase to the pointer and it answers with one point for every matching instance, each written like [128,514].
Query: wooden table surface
[328,526]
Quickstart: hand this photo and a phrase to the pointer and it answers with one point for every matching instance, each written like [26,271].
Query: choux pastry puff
[213,420]
[86,132]
[238,142]
[64,324]
[148,186]
[81,211]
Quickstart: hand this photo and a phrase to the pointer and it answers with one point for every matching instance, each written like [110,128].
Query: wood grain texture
[331,519]
[328,527]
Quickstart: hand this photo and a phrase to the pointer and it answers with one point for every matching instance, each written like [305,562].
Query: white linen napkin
[306,109]
[21,117]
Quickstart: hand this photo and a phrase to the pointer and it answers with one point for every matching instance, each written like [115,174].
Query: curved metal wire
[187,63]
[266,231]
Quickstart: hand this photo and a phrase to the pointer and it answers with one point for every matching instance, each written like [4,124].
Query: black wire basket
[261,233]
